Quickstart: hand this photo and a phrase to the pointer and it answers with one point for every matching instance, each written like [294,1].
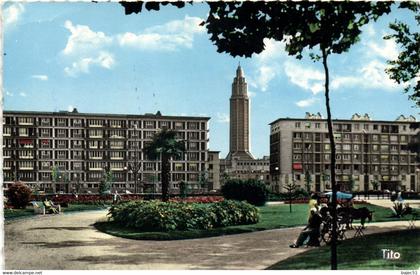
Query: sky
[94,57]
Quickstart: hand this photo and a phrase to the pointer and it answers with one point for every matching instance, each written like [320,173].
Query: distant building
[213,169]
[370,153]
[79,146]
[240,163]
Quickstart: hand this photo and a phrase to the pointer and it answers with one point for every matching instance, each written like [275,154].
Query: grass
[366,254]
[10,214]
[272,217]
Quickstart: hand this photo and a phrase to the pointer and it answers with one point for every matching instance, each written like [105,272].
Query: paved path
[69,241]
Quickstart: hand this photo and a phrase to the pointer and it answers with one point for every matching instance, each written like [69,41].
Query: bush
[169,216]
[252,191]
[19,195]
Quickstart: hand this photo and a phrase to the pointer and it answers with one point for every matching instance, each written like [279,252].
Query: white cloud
[12,13]
[8,93]
[307,102]
[370,76]
[70,108]
[104,60]
[223,118]
[40,77]
[386,49]
[305,77]
[167,37]
[267,64]
[22,94]
[83,39]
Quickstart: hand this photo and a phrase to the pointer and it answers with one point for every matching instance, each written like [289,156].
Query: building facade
[245,169]
[64,151]
[370,154]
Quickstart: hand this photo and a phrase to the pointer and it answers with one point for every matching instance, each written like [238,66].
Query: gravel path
[69,241]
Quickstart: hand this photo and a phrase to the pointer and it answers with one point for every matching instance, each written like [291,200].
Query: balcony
[26,168]
[117,169]
[95,125]
[116,158]
[116,137]
[117,147]
[96,136]
[26,157]
[95,168]
[96,158]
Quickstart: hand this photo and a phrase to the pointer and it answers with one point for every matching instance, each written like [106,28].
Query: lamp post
[277,179]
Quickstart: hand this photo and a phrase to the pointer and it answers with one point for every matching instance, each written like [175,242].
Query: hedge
[170,216]
[251,190]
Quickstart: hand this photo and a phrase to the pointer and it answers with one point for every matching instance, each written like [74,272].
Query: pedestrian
[311,232]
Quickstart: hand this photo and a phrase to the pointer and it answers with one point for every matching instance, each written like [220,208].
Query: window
[403,138]
[366,126]
[393,138]
[297,135]
[116,166]
[346,147]
[116,144]
[317,125]
[26,155]
[149,134]
[193,125]
[45,132]
[95,122]
[375,137]
[193,156]
[116,155]
[384,148]
[95,165]
[116,123]
[327,157]
[193,135]
[77,122]
[7,131]
[356,126]
[384,138]
[356,147]
[149,124]
[307,125]
[77,144]
[25,121]
[45,121]
[96,155]
[394,148]
[179,125]
[61,133]
[375,127]
[23,132]
[297,157]
[61,122]
[297,124]
[26,165]
[95,133]
[326,147]
[77,154]
[117,134]
[297,145]
[61,154]
[375,147]
[384,157]
[346,157]
[375,158]
[192,167]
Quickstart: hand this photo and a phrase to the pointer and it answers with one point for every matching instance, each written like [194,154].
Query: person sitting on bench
[311,231]
[50,207]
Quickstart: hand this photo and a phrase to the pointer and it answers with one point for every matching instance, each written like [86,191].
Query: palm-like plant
[165,145]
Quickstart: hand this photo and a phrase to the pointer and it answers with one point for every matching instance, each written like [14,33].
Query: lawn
[272,217]
[362,254]
[10,214]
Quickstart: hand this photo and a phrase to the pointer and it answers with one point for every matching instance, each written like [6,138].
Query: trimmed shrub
[169,216]
[251,190]
[19,195]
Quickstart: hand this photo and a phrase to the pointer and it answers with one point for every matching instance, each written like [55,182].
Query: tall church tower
[239,119]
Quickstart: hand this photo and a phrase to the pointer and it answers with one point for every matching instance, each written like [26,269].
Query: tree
[106,182]
[240,28]
[165,145]
[291,189]
[351,183]
[308,181]
[407,66]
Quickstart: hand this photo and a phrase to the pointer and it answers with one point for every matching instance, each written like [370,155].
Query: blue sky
[94,57]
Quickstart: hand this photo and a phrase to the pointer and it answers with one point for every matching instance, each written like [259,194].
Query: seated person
[51,207]
[311,231]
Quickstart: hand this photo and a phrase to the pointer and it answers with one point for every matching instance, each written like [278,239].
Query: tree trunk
[165,177]
[332,168]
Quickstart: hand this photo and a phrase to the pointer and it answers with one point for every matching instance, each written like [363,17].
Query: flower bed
[180,216]
[88,198]
[202,199]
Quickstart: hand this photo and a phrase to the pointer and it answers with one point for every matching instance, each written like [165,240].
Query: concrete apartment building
[370,153]
[79,146]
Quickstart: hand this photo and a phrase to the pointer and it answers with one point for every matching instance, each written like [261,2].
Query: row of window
[77,122]
[346,127]
[370,158]
[349,137]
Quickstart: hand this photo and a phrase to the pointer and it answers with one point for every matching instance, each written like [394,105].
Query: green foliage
[19,195]
[251,190]
[407,66]
[165,145]
[308,181]
[169,216]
